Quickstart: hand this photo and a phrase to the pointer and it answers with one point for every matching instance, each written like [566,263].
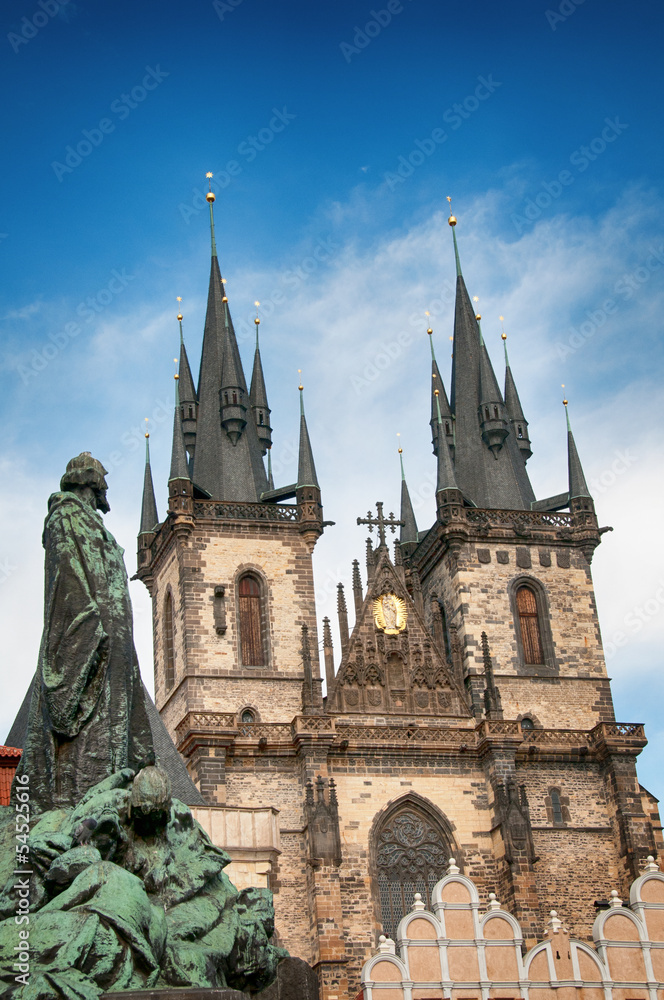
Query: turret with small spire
[514,409]
[308,496]
[492,413]
[258,398]
[149,515]
[440,407]
[188,397]
[180,491]
[408,534]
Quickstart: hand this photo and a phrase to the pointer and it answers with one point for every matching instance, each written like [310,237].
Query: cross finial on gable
[380,522]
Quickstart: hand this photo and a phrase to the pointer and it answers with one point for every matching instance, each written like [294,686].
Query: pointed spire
[488,465]
[306,470]
[446,479]
[492,703]
[187,389]
[452,222]
[226,469]
[270,477]
[179,469]
[408,531]
[210,198]
[440,407]
[342,612]
[328,653]
[513,406]
[357,589]
[149,515]
[577,480]
[258,397]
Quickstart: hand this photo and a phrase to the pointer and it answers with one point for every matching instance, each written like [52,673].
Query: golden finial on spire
[452,219]
[147,432]
[179,299]
[300,386]
[436,392]
[503,335]
[175,362]
[478,315]
[210,196]
[564,400]
[257,320]
[429,329]
[400,449]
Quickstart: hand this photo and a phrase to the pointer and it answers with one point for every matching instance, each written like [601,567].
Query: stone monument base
[181,993]
[295,981]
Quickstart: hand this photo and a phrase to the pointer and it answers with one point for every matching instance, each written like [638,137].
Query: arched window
[527,724]
[235,397]
[495,412]
[556,806]
[531,633]
[447,427]
[251,624]
[247,717]
[411,854]
[169,643]
[260,417]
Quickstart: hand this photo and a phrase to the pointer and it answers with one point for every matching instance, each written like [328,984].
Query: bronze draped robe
[87,712]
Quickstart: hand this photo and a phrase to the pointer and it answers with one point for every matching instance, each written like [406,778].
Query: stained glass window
[411,856]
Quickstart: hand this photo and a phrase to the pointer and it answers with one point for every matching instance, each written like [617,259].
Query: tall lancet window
[251,622]
[411,852]
[531,632]
[169,643]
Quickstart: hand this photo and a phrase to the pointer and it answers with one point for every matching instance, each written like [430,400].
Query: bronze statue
[87,712]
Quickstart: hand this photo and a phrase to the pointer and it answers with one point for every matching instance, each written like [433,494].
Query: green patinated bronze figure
[87,713]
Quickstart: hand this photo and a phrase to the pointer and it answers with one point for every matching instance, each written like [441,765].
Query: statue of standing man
[87,711]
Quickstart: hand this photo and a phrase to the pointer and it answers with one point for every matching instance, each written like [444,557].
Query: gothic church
[470,715]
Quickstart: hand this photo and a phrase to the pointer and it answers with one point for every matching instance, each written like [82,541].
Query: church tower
[469,716]
[229,570]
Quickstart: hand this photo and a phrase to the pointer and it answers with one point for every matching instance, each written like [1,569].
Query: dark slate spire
[258,398]
[226,470]
[577,480]
[439,402]
[446,479]
[492,413]
[306,470]
[494,478]
[149,515]
[514,410]
[188,397]
[233,387]
[179,468]
[408,531]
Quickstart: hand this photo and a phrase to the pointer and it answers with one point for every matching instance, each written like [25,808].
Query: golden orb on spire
[564,402]
[452,219]
[503,336]
[429,331]
[401,451]
[224,298]
[436,392]
[180,317]
[257,321]
[210,196]
[478,316]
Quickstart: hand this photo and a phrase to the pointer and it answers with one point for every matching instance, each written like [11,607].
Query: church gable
[392,663]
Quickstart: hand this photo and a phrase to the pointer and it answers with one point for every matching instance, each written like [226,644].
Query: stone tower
[229,570]
[469,714]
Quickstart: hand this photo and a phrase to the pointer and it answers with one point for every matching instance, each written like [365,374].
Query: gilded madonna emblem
[390,614]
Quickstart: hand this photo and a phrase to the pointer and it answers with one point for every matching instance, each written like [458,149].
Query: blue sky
[335,131]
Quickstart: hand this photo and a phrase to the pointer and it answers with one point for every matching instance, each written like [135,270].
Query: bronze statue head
[82,471]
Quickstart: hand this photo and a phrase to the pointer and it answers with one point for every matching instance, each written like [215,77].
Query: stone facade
[521,796]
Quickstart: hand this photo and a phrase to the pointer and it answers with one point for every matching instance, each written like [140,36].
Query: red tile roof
[10,752]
